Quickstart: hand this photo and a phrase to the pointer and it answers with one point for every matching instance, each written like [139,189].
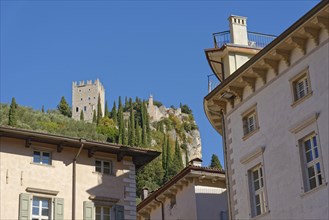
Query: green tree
[64,107]
[114,114]
[164,153]
[94,116]
[168,169]
[215,163]
[185,109]
[138,139]
[177,160]
[43,109]
[108,128]
[107,113]
[99,109]
[13,113]
[82,117]
[131,128]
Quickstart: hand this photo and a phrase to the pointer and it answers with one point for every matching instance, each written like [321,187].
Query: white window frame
[314,163]
[101,170]
[251,161]
[260,191]
[250,122]
[40,216]
[42,152]
[102,213]
[301,87]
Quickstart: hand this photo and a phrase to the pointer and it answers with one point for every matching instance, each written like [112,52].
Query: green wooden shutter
[24,206]
[119,212]
[88,210]
[58,209]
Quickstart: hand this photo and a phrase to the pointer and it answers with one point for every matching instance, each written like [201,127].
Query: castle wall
[85,98]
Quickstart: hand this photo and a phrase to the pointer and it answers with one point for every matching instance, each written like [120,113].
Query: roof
[187,170]
[296,36]
[141,156]
[270,46]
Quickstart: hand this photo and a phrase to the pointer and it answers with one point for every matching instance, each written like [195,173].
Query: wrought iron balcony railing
[256,40]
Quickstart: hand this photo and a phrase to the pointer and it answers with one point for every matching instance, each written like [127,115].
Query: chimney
[238,30]
[195,162]
[145,192]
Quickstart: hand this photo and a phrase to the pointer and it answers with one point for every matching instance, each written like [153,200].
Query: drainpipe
[226,167]
[162,208]
[74,178]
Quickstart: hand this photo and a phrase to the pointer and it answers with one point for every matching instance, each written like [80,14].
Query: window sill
[101,174]
[313,190]
[301,99]
[261,215]
[43,165]
[250,134]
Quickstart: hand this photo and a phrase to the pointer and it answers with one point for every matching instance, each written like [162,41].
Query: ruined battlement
[85,98]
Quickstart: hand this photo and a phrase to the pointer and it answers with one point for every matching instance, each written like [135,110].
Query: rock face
[193,145]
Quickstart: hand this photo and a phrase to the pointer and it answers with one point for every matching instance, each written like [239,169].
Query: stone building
[85,99]
[45,176]
[194,193]
[271,107]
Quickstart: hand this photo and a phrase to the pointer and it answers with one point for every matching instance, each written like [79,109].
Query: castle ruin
[85,98]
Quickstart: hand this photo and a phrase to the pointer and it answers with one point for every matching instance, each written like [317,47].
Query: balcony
[255,40]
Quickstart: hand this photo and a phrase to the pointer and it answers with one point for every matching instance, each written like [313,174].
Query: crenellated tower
[85,98]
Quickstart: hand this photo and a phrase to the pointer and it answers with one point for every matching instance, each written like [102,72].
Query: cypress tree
[168,170]
[43,109]
[64,107]
[94,116]
[144,135]
[138,135]
[12,113]
[121,122]
[125,133]
[99,109]
[82,117]
[131,140]
[215,163]
[177,160]
[114,113]
[107,113]
[164,154]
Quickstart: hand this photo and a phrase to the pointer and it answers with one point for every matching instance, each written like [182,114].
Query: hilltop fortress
[85,98]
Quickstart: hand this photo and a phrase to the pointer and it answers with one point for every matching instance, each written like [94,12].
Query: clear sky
[136,48]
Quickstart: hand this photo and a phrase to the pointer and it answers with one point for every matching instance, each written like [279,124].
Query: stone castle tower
[85,98]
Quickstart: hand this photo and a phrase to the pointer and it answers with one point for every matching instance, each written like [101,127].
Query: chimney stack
[145,192]
[238,30]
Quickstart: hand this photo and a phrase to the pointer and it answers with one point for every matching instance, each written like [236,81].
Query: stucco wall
[18,172]
[281,157]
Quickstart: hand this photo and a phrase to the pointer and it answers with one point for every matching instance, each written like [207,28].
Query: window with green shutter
[24,206]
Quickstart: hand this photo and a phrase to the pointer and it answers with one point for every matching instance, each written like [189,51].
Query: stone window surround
[304,73]
[302,129]
[250,161]
[251,110]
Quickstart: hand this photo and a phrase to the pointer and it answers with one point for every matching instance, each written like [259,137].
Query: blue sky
[136,48]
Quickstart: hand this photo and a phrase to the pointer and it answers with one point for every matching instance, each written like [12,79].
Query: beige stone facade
[55,177]
[273,114]
[194,193]
[85,99]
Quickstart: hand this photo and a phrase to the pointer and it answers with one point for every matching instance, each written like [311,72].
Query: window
[172,201]
[77,109]
[312,164]
[103,213]
[249,120]
[257,196]
[102,166]
[40,208]
[85,108]
[301,86]
[41,157]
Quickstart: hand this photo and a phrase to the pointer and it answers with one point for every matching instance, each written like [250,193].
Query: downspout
[162,208]
[226,167]
[74,179]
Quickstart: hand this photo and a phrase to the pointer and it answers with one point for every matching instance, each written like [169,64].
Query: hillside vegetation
[127,124]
